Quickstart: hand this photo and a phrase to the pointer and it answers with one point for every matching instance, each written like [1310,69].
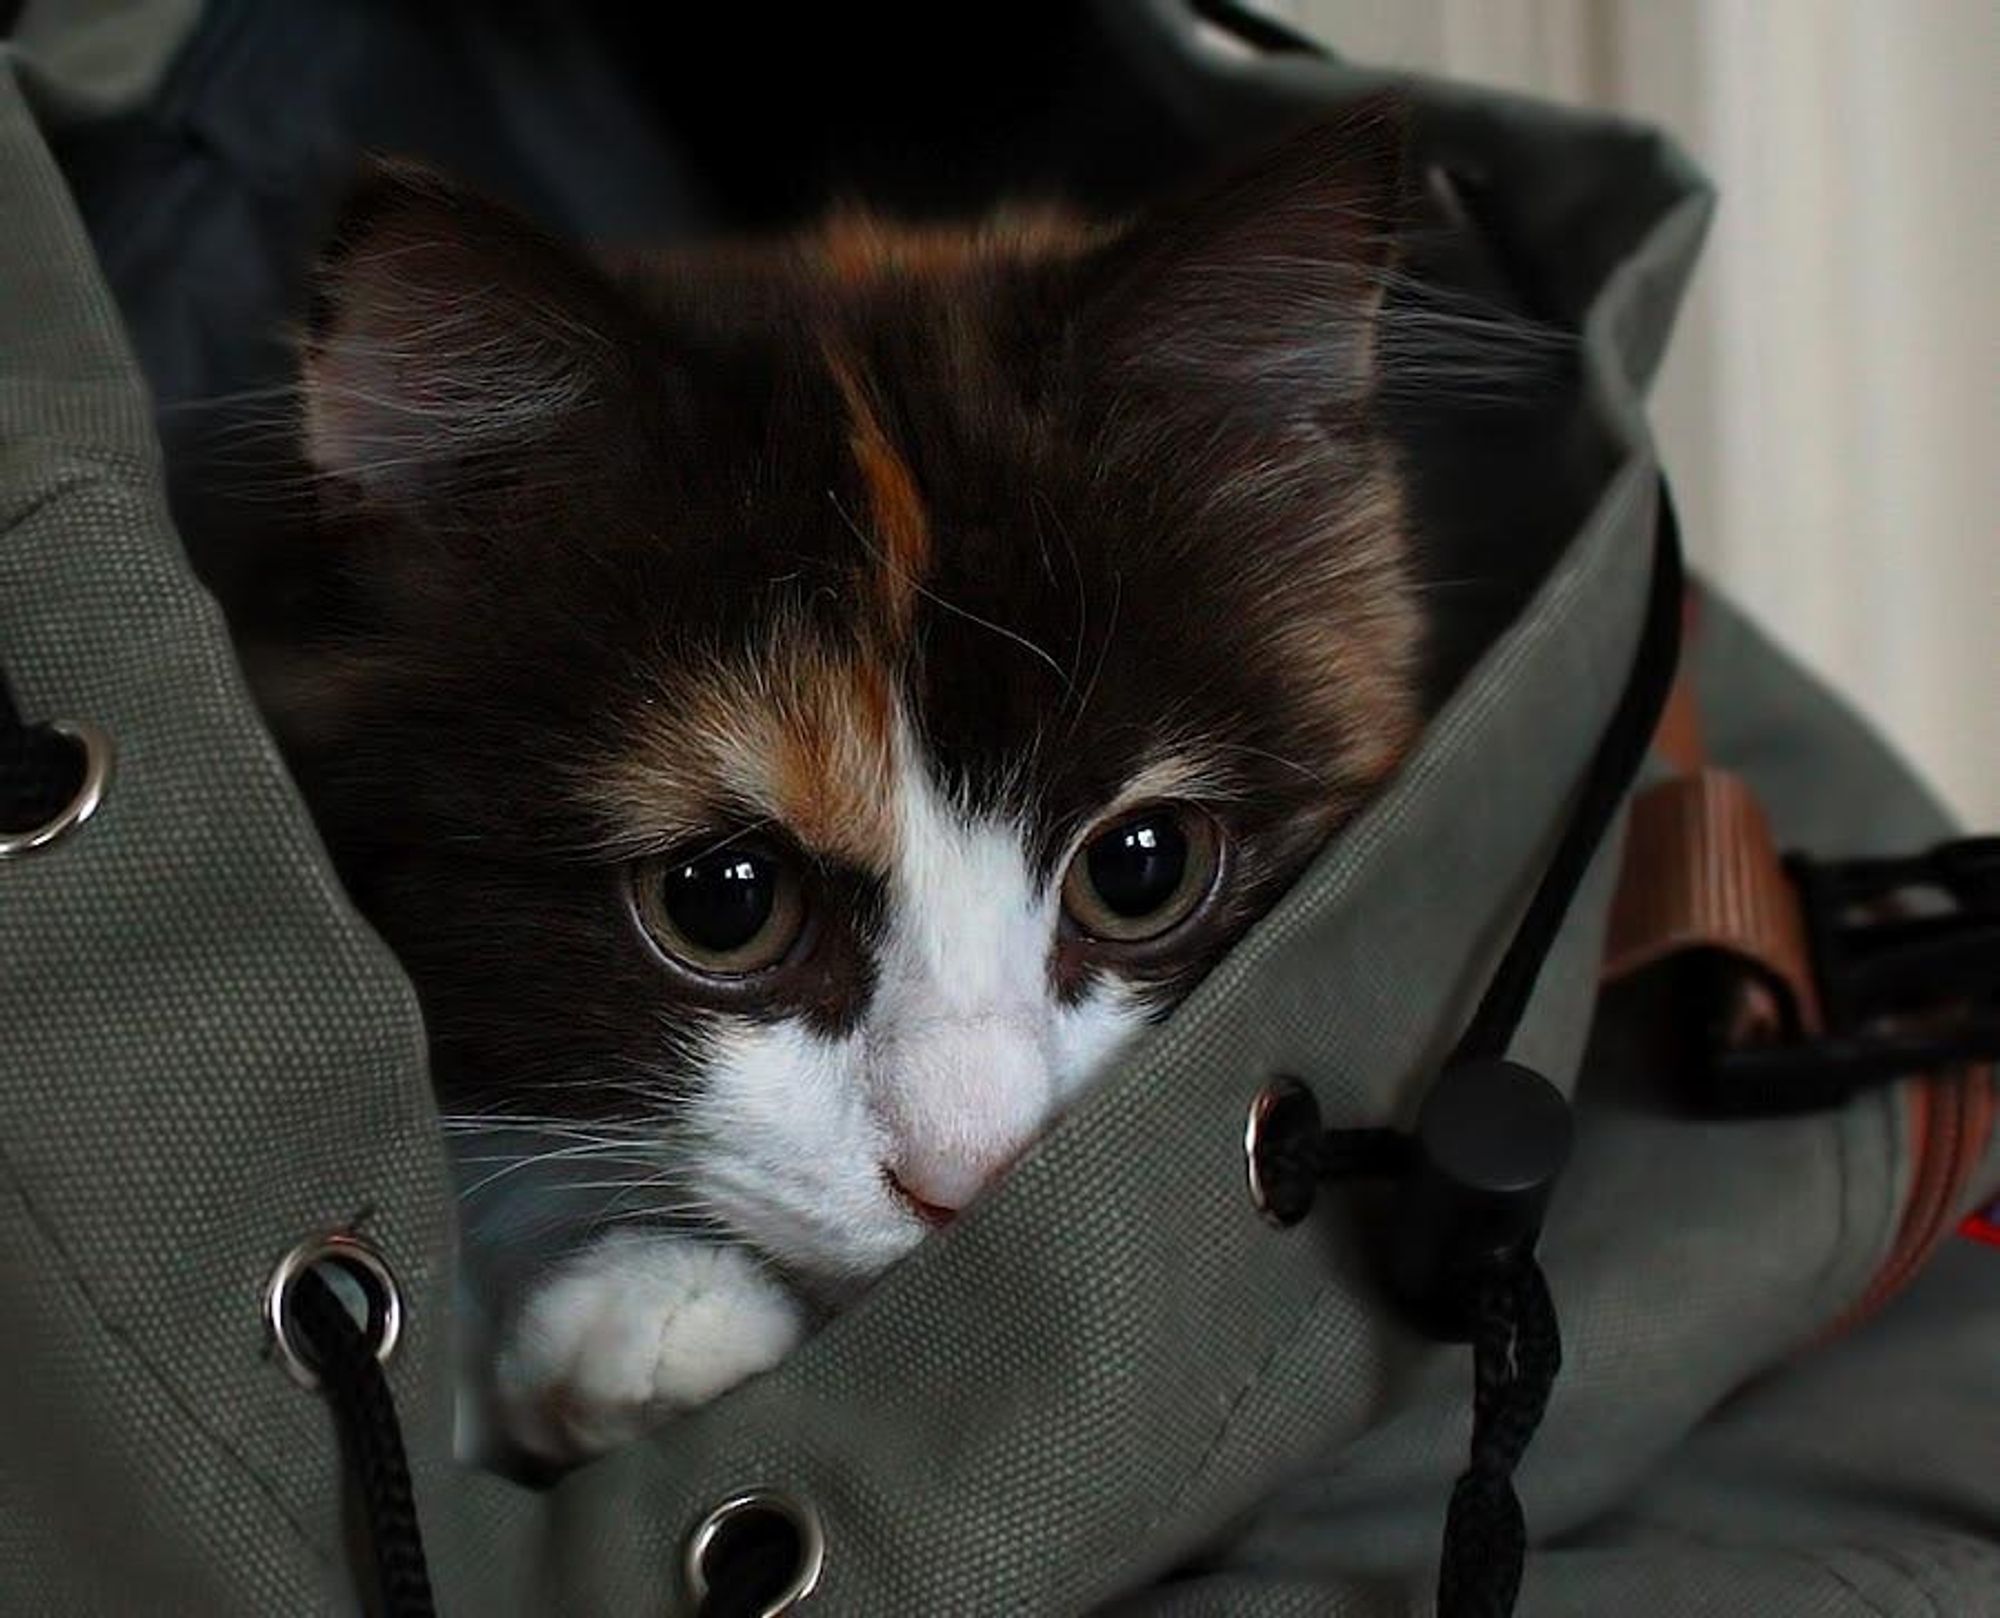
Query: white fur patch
[962,1057]
[959,1066]
[631,1330]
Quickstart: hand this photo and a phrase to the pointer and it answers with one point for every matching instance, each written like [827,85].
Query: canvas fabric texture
[1111,1386]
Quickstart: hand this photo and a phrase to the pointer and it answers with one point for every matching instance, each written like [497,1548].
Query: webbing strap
[1702,873]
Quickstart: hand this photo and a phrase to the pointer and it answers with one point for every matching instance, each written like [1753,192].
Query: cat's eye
[1144,874]
[724,912]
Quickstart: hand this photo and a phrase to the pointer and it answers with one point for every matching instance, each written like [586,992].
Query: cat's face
[799,711]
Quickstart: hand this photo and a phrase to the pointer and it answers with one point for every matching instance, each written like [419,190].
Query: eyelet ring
[740,1513]
[360,1263]
[97,755]
[1282,1114]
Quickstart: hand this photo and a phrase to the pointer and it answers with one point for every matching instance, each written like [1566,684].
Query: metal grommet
[352,1260]
[1284,1118]
[762,1535]
[97,752]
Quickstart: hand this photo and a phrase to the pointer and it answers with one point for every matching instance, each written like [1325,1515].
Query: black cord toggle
[1492,1138]
[1472,1184]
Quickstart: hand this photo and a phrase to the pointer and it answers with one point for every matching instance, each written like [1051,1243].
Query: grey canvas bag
[1113,1385]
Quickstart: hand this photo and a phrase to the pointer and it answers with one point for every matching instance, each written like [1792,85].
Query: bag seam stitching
[72,1273]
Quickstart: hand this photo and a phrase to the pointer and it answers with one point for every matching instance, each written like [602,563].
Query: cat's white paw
[631,1330]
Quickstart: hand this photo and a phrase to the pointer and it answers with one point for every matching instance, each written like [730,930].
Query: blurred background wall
[1829,408]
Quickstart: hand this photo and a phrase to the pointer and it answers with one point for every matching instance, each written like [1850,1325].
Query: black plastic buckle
[1906,959]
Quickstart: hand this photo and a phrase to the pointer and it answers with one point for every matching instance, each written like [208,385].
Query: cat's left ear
[1261,296]
[449,340]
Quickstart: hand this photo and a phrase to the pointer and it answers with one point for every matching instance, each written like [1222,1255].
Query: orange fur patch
[858,247]
[832,767]
[897,522]
[804,738]
[1356,660]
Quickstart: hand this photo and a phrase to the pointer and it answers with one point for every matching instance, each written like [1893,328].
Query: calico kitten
[799,710]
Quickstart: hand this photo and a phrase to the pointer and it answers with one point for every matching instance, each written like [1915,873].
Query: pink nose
[936,1186]
[931,1213]
[957,1098]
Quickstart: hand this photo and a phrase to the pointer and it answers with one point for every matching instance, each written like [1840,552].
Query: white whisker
[932,596]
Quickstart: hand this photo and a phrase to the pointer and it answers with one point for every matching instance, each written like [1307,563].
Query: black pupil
[721,901]
[1138,867]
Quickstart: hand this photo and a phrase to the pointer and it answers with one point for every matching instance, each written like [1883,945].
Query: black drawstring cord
[1508,1313]
[40,768]
[344,1359]
[1474,1176]
[1516,1352]
[1620,755]
[1361,1154]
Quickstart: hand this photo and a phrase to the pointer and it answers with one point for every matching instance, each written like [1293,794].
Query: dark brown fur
[1081,500]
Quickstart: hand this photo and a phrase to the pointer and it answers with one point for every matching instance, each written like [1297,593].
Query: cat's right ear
[1258,298]
[450,343]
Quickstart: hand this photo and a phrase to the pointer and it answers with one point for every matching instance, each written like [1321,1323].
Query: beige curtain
[1829,410]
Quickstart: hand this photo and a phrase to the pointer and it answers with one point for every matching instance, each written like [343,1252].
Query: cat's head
[800,709]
